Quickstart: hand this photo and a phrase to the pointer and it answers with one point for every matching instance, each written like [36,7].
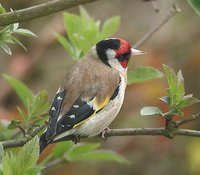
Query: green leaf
[180,91]
[24,32]
[82,43]
[5,133]
[195,4]
[15,26]
[38,106]
[24,162]
[83,32]
[92,36]
[24,93]
[66,45]
[29,154]
[72,25]
[2,10]
[165,99]
[14,124]
[5,48]
[34,171]
[171,78]
[150,110]
[180,77]
[1,169]
[176,88]
[142,74]
[79,149]
[22,113]
[62,147]
[6,36]
[187,101]
[100,155]
[88,22]
[173,111]
[85,19]
[1,153]
[5,30]
[18,42]
[7,161]
[110,26]
[87,151]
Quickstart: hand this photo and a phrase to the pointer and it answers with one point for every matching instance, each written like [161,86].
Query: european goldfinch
[91,94]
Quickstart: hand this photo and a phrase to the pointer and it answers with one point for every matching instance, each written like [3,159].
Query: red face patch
[124,47]
[124,64]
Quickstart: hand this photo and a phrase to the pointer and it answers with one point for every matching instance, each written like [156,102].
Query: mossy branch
[40,10]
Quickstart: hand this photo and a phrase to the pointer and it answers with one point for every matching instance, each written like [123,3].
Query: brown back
[87,79]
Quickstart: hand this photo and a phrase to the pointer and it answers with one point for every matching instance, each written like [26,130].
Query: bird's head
[115,52]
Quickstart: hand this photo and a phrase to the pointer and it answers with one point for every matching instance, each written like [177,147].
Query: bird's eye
[120,57]
[124,56]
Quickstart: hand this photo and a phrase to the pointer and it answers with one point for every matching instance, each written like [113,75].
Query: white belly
[96,124]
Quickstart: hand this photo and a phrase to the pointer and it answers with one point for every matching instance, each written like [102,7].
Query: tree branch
[13,143]
[120,132]
[21,142]
[39,11]
[149,131]
[132,132]
[173,10]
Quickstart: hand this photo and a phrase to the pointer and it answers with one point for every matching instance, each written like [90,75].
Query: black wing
[78,113]
[54,114]
[82,110]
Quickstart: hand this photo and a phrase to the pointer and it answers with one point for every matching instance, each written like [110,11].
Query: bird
[91,94]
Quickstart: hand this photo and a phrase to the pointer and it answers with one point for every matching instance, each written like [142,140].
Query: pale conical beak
[135,52]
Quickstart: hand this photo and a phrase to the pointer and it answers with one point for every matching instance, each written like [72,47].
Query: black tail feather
[43,142]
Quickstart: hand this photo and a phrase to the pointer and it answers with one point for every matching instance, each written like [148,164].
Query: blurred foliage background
[176,44]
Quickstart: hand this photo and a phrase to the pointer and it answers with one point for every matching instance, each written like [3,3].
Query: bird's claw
[76,139]
[103,134]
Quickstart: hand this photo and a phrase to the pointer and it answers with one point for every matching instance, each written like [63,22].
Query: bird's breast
[96,124]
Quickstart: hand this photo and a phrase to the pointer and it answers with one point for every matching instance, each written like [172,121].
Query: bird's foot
[103,134]
[76,139]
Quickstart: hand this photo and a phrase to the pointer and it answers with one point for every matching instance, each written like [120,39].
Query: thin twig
[22,130]
[54,163]
[173,10]
[21,142]
[37,130]
[39,10]
[187,120]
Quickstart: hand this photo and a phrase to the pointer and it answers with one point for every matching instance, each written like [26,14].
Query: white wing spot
[76,106]
[53,108]
[63,126]
[71,116]
[90,103]
[59,98]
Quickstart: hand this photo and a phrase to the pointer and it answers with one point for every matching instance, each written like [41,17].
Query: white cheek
[110,54]
[114,63]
